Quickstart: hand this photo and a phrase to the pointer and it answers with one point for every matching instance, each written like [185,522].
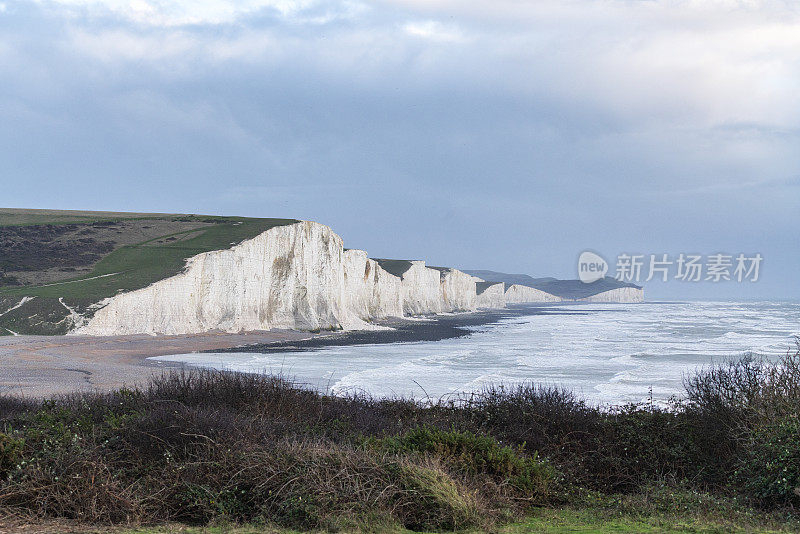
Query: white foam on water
[606,353]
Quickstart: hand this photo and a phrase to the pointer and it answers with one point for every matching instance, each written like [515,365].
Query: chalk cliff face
[520,294]
[421,290]
[287,277]
[490,295]
[622,294]
[370,292]
[457,291]
[297,276]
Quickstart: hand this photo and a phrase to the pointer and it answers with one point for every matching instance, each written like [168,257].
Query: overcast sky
[495,134]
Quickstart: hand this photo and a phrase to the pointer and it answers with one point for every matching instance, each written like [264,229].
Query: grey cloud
[509,141]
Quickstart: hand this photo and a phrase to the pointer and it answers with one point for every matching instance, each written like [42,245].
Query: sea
[607,354]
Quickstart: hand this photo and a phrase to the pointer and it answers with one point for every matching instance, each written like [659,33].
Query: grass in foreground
[547,521]
[207,449]
[544,520]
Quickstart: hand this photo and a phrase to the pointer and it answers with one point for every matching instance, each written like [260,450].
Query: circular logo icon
[591,267]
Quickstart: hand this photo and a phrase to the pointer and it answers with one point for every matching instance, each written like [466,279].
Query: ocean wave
[607,354]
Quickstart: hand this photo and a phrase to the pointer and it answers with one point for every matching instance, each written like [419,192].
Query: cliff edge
[103,273]
[296,276]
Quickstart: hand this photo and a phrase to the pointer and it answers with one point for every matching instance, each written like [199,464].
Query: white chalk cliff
[621,294]
[457,291]
[517,294]
[287,277]
[370,292]
[491,294]
[421,290]
[299,276]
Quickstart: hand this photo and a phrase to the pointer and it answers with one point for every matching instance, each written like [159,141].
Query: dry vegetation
[204,447]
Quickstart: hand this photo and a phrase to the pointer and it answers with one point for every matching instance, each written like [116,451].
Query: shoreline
[44,366]
[406,330]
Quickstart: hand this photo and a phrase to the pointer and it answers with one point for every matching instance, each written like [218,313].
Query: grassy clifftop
[85,256]
[22,216]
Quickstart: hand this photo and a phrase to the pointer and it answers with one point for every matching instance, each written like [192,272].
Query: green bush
[430,499]
[204,447]
[472,454]
[10,452]
[770,469]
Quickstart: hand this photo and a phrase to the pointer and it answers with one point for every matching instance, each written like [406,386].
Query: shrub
[769,471]
[204,446]
[734,411]
[644,443]
[472,454]
[540,417]
[430,499]
[741,391]
[10,452]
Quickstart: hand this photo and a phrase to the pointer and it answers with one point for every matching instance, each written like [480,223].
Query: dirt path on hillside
[48,365]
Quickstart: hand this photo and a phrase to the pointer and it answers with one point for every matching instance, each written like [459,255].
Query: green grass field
[135,266]
[23,217]
[545,521]
[140,257]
